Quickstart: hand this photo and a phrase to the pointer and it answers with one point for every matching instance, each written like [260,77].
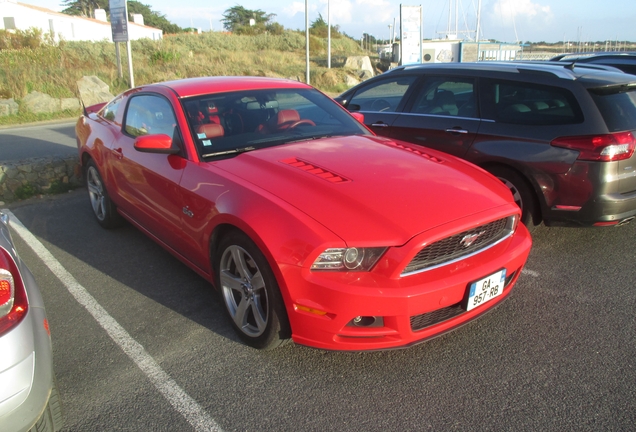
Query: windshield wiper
[233,151]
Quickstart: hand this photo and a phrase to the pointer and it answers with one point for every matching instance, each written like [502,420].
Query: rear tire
[52,418]
[522,194]
[250,293]
[103,208]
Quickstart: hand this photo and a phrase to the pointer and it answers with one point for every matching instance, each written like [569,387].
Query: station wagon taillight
[603,148]
[13,299]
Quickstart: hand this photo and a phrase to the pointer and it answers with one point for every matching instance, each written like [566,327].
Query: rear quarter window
[530,104]
[618,108]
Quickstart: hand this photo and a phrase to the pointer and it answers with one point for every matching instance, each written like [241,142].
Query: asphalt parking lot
[153,351]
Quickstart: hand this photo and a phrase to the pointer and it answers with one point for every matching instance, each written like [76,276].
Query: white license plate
[486,289]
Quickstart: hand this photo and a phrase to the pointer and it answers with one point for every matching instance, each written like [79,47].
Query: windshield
[231,123]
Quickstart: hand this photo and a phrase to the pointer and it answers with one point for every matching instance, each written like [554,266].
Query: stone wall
[37,176]
[92,90]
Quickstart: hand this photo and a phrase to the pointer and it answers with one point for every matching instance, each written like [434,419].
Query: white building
[20,16]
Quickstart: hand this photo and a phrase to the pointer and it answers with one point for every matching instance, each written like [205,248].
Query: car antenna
[79,94]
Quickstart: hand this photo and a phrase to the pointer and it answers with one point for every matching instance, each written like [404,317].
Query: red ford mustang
[310,227]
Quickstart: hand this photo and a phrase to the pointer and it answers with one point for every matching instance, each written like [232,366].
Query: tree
[237,19]
[320,28]
[87,8]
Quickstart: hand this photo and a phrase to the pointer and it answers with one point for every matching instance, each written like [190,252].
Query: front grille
[420,322]
[460,245]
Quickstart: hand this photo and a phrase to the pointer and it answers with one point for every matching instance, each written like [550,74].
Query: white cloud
[517,20]
[508,10]
[294,8]
[341,11]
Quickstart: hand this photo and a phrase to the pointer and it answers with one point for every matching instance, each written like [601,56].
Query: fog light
[367,321]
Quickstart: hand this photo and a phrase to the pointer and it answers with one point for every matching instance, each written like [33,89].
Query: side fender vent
[316,170]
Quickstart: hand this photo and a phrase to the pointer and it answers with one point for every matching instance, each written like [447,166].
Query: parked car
[625,61]
[309,226]
[29,399]
[560,136]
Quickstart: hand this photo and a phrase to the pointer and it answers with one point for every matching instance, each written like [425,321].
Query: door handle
[119,154]
[379,124]
[459,131]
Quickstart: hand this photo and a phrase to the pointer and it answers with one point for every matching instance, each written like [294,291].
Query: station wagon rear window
[617,106]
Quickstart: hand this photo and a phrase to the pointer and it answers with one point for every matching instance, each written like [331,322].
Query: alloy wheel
[244,291]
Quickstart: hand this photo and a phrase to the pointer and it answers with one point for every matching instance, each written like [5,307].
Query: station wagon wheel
[521,193]
[103,208]
[250,293]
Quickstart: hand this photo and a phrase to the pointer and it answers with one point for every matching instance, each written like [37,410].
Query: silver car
[29,400]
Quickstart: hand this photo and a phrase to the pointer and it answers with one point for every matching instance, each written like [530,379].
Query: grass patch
[29,117]
[59,187]
[55,69]
[26,191]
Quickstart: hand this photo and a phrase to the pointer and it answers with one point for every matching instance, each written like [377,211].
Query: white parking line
[530,272]
[179,399]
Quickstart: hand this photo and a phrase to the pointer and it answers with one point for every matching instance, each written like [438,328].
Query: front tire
[250,293]
[103,208]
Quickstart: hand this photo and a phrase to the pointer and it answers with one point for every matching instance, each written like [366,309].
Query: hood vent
[417,152]
[316,170]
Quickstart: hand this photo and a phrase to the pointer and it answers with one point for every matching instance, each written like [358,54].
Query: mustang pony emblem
[469,239]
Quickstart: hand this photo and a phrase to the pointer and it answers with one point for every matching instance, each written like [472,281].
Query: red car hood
[369,189]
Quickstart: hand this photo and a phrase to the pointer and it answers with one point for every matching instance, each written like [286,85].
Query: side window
[381,96]
[110,111]
[149,114]
[530,104]
[446,96]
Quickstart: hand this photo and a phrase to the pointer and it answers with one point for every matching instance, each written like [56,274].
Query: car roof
[590,74]
[205,85]
[587,56]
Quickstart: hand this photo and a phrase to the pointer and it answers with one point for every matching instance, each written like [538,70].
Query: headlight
[348,259]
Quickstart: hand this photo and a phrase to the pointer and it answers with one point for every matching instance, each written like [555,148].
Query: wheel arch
[226,227]
[537,215]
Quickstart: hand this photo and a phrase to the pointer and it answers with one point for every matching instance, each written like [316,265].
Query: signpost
[411,33]
[119,27]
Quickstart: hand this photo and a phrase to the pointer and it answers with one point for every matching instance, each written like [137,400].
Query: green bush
[58,187]
[26,191]
[18,39]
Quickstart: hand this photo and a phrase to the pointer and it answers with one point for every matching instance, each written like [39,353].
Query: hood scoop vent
[417,152]
[315,170]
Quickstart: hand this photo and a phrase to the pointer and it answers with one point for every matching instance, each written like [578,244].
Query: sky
[503,20]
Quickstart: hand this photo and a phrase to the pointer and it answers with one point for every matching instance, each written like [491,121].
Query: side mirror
[159,143]
[358,116]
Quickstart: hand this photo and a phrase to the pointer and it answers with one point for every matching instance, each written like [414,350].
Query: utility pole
[328,36]
[306,42]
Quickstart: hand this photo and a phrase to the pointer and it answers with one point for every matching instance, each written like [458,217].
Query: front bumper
[322,305]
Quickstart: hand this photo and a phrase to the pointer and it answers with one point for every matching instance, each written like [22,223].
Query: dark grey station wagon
[560,135]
